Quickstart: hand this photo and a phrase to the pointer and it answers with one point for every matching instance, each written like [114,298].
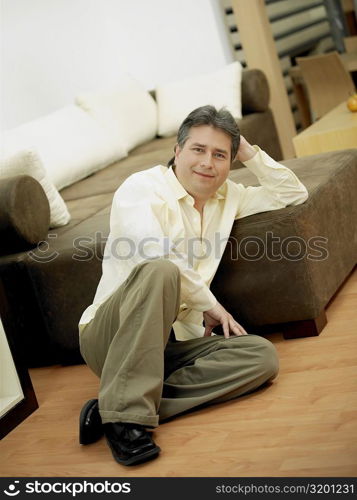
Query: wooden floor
[304,424]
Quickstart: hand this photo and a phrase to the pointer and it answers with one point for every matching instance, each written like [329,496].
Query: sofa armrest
[255,91]
[24,213]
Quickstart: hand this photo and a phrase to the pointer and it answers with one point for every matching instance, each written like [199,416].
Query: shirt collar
[177,188]
[180,192]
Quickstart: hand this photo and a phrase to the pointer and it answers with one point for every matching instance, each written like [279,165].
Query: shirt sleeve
[137,233]
[279,187]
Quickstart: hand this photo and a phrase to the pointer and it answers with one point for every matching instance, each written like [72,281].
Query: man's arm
[279,186]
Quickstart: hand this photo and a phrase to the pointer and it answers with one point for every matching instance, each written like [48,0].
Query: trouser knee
[262,353]
[161,269]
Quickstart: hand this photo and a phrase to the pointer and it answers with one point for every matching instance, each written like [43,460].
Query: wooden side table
[334,131]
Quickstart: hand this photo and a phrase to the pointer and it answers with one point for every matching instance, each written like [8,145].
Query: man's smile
[203,175]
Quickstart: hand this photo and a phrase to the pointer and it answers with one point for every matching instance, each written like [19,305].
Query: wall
[53,49]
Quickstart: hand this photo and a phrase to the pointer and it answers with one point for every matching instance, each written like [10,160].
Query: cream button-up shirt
[153,216]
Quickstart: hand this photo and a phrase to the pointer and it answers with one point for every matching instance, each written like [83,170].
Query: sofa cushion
[155,152]
[127,109]
[255,91]
[24,213]
[27,162]
[176,100]
[70,142]
[313,250]
[86,208]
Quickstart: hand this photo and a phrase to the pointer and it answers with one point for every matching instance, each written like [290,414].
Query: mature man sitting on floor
[144,335]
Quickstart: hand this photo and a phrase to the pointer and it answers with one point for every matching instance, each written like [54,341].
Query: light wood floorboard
[303,424]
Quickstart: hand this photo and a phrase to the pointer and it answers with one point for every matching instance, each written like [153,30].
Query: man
[143,334]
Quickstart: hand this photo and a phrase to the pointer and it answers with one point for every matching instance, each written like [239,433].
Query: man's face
[203,164]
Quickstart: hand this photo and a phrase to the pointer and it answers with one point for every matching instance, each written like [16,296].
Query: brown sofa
[44,288]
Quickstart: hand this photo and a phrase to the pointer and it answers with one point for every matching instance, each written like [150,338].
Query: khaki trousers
[145,377]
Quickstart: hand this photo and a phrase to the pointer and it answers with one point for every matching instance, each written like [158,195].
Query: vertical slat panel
[255,31]
[299,28]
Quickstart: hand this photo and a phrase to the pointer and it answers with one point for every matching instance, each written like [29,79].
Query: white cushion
[176,100]
[71,144]
[27,162]
[128,106]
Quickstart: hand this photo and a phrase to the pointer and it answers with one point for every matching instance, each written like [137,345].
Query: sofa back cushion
[70,143]
[177,99]
[127,108]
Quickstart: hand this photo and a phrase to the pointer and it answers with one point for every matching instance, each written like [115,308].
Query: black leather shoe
[90,423]
[130,444]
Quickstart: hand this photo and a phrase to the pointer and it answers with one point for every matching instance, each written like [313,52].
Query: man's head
[209,115]
[207,143]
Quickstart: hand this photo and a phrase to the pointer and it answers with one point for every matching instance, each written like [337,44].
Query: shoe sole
[144,457]
[83,437]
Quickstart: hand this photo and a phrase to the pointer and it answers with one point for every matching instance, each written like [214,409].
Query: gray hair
[209,115]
